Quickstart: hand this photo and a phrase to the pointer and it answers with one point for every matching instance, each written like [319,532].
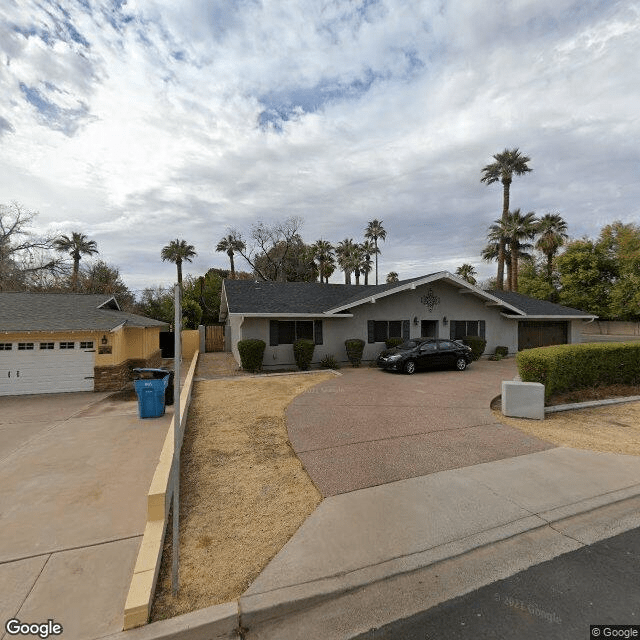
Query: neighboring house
[51,342]
[437,305]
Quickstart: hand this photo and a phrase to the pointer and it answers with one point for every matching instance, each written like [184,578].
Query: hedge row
[573,366]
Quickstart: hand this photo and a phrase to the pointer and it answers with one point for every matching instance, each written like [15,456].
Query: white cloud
[390,109]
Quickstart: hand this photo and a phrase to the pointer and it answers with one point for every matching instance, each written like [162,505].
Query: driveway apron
[369,427]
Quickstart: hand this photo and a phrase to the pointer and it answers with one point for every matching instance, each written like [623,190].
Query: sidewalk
[564,498]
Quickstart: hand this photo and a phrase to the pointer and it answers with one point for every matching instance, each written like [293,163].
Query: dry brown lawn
[243,491]
[614,428]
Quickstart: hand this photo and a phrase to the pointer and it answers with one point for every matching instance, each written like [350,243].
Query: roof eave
[290,315]
[548,317]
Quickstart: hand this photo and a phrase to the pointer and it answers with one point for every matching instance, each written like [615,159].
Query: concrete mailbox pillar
[523,399]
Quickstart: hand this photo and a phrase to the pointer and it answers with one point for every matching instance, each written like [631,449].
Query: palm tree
[519,229]
[230,244]
[507,164]
[77,245]
[552,230]
[496,234]
[322,251]
[369,249]
[344,257]
[178,251]
[392,276]
[374,231]
[467,272]
[360,262]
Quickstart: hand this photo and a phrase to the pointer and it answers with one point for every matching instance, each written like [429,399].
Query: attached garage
[46,367]
[52,343]
[532,333]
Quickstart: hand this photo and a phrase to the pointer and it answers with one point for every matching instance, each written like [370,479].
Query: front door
[429,329]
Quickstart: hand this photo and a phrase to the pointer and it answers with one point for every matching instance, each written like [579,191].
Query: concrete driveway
[369,427]
[75,469]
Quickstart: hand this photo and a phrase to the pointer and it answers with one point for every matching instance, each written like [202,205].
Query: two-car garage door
[46,367]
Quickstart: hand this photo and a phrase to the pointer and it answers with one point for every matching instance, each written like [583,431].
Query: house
[439,305]
[52,342]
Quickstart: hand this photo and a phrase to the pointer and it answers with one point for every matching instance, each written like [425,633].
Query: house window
[25,346]
[381,330]
[463,328]
[5,346]
[288,331]
[67,345]
[86,345]
[47,345]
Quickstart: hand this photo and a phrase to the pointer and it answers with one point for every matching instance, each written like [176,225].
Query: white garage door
[45,367]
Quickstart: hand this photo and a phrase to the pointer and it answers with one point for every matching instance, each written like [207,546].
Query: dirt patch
[243,491]
[594,393]
[614,428]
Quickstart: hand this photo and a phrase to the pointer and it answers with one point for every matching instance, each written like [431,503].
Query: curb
[590,404]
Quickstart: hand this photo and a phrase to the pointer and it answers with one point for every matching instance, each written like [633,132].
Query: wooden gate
[214,338]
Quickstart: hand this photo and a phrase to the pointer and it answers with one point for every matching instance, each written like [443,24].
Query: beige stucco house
[439,305]
[53,342]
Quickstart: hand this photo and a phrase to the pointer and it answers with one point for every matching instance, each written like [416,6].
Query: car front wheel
[409,367]
[461,364]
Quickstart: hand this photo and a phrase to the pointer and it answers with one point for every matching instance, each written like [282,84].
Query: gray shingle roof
[64,312]
[533,307]
[247,296]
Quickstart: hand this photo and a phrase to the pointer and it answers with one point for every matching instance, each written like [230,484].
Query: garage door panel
[46,370]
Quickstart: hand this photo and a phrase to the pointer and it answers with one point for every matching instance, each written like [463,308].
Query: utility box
[523,400]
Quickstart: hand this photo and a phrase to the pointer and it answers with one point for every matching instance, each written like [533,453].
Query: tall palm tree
[178,251]
[552,232]
[375,231]
[230,244]
[370,249]
[322,251]
[77,245]
[344,258]
[360,262]
[507,164]
[490,253]
[392,276]
[467,272]
[520,228]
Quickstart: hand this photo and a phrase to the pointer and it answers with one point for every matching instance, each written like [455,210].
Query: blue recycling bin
[151,396]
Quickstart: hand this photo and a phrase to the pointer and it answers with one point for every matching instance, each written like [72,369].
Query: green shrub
[496,357]
[303,352]
[502,351]
[476,343]
[393,342]
[355,349]
[251,354]
[567,367]
[329,362]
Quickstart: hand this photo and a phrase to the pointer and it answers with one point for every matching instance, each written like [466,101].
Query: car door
[446,353]
[427,355]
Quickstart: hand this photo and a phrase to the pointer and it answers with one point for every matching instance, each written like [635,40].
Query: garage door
[541,334]
[45,367]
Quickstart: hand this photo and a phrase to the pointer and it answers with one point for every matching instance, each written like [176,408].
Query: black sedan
[426,353]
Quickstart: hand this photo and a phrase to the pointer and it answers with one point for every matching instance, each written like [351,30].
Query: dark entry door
[167,344]
[429,329]
[533,334]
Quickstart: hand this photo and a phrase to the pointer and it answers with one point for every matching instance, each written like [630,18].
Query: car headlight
[393,357]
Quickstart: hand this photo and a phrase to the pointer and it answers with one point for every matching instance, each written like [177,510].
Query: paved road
[555,600]
[369,427]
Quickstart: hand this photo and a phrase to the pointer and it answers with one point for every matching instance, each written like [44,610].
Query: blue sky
[138,122]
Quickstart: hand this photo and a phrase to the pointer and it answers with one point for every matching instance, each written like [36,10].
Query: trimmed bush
[566,367]
[355,349]
[502,351]
[476,343]
[329,362]
[303,353]
[251,354]
[393,342]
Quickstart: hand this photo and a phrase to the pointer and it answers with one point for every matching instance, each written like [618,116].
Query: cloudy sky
[140,121]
